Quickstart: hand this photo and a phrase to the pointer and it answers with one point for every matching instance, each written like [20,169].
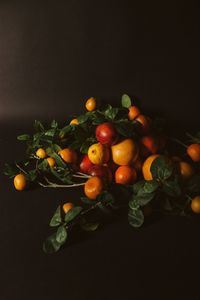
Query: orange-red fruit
[67,206]
[185,169]
[194,152]
[68,155]
[133,112]
[145,123]
[146,168]
[106,134]
[93,187]
[125,175]
[20,182]
[85,164]
[51,161]
[149,144]
[101,171]
[74,122]
[91,104]
[195,205]
[41,153]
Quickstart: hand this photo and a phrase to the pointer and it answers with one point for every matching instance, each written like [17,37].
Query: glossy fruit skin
[146,168]
[68,155]
[149,144]
[74,122]
[185,169]
[125,175]
[41,153]
[20,182]
[195,205]
[106,134]
[98,154]
[85,164]
[51,161]
[145,123]
[101,171]
[93,187]
[91,104]
[193,151]
[134,112]
[67,206]
[124,152]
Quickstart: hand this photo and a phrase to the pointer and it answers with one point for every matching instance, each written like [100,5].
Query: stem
[54,185]
[178,142]
[81,176]
[21,169]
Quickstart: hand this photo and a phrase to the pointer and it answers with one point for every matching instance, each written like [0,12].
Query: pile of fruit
[123,160]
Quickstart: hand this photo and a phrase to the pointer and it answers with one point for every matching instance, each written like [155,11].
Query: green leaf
[43,166]
[193,185]
[84,147]
[32,175]
[50,132]
[10,170]
[73,213]
[38,126]
[111,112]
[143,199]
[161,168]
[51,245]
[54,124]
[88,226]
[126,101]
[125,128]
[61,235]
[135,218]
[88,201]
[138,185]
[105,198]
[172,188]
[23,137]
[104,209]
[65,130]
[148,187]
[58,159]
[56,219]
[83,118]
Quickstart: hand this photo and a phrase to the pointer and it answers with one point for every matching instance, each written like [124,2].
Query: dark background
[53,55]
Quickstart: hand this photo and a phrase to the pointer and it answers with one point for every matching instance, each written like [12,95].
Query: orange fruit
[74,122]
[20,182]
[195,205]
[193,151]
[51,161]
[91,104]
[133,112]
[144,121]
[125,175]
[185,169]
[93,187]
[146,168]
[98,154]
[125,152]
[68,155]
[67,206]
[149,144]
[41,153]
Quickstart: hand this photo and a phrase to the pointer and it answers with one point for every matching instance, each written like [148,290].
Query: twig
[178,142]
[54,185]
[21,169]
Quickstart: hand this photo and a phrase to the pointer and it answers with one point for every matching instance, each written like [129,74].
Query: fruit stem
[179,142]
[54,185]
[81,176]
[21,169]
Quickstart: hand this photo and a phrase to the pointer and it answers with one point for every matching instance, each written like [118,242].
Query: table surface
[52,57]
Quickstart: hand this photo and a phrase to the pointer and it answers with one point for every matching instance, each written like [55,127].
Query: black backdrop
[53,55]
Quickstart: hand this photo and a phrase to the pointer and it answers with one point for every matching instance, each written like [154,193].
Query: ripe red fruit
[85,164]
[101,171]
[149,145]
[106,134]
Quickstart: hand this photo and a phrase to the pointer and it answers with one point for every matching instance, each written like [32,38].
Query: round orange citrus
[125,175]
[194,152]
[195,205]
[149,143]
[20,182]
[93,187]
[146,168]
[68,155]
[185,169]
[133,112]
[67,206]
[74,122]
[91,104]
[144,121]
[51,161]
[41,153]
